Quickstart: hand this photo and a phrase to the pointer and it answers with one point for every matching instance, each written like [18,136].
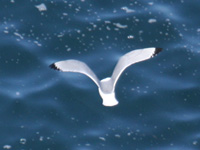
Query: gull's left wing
[75,66]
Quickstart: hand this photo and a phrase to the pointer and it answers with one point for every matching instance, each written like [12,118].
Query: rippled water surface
[159,99]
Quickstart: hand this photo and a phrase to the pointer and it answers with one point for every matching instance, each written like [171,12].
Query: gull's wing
[75,66]
[133,57]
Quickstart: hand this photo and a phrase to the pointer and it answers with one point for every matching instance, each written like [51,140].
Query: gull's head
[108,98]
[106,80]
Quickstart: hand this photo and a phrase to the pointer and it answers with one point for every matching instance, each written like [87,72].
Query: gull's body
[107,86]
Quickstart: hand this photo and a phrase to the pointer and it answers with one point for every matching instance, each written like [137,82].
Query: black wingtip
[53,66]
[158,50]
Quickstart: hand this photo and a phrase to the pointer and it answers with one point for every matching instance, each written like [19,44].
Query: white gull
[107,86]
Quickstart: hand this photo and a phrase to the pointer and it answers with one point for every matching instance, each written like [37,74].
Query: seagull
[106,86]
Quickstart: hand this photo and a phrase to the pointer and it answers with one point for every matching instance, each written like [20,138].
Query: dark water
[159,99]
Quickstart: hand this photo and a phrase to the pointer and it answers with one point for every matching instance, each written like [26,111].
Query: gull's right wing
[75,66]
[133,57]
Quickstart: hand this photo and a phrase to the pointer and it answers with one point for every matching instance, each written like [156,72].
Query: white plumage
[107,86]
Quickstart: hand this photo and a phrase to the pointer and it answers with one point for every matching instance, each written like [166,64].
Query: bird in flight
[106,86]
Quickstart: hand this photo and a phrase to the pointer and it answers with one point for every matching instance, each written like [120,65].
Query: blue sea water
[159,99]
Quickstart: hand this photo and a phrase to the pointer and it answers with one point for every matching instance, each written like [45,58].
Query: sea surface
[159,99]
